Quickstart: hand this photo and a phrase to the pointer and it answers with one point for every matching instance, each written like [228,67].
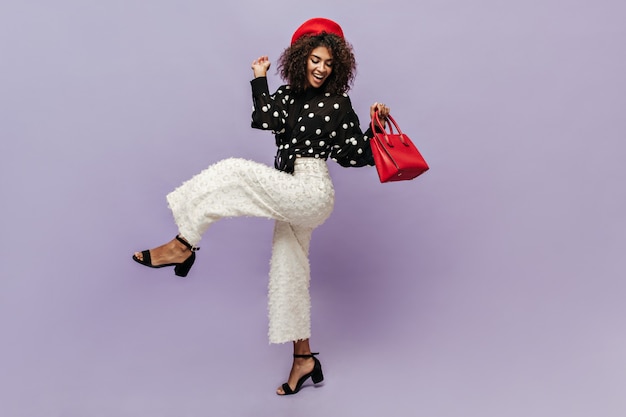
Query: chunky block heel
[182,270]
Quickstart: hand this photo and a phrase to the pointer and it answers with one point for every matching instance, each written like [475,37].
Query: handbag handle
[391,126]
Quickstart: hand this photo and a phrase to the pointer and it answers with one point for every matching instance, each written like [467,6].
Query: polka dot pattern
[313,124]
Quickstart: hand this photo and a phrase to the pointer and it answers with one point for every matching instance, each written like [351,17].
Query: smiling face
[319,66]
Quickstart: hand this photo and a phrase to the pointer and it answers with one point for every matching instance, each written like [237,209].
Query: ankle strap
[310,355]
[184,242]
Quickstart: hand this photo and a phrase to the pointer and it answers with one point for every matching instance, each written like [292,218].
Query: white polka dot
[286,146]
[327,118]
[280,91]
[318,132]
[317,155]
[281,147]
[320,105]
[306,106]
[322,143]
[353,141]
[345,126]
[302,129]
[290,156]
[333,134]
[265,109]
[299,118]
[307,142]
[311,115]
[310,150]
[291,102]
[347,141]
[294,140]
[286,96]
[336,105]
[276,114]
[359,151]
[352,162]
[327,94]
[323,153]
[265,126]
[351,124]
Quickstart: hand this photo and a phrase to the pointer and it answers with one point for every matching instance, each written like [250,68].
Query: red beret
[316,26]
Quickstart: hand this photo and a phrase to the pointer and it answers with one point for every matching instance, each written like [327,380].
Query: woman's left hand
[383,111]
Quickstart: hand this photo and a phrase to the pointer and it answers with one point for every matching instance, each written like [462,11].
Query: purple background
[491,286]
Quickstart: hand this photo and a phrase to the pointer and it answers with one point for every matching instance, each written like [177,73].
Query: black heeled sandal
[181,269]
[316,375]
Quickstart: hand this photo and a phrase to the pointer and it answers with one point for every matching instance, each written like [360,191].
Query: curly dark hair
[292,63]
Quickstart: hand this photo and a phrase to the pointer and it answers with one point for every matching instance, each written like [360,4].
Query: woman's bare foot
[172,252]
[300,367]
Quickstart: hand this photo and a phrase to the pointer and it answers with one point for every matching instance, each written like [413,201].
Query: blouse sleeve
[268,111]
[351,146]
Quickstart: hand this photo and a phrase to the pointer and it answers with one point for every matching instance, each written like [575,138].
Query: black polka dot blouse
[313,124]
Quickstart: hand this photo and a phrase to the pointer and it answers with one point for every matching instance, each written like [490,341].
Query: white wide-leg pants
[299,203]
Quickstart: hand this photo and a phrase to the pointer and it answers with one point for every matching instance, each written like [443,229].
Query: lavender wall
[493,285]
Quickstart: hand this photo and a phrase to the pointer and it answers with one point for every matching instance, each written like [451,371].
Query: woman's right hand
[260,66]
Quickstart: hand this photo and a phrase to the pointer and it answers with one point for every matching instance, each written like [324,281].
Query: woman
[312,119]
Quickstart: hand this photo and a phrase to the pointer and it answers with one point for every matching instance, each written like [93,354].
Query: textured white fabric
[289,300]
[299,203]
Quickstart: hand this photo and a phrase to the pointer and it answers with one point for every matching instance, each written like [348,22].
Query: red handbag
[395,156]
